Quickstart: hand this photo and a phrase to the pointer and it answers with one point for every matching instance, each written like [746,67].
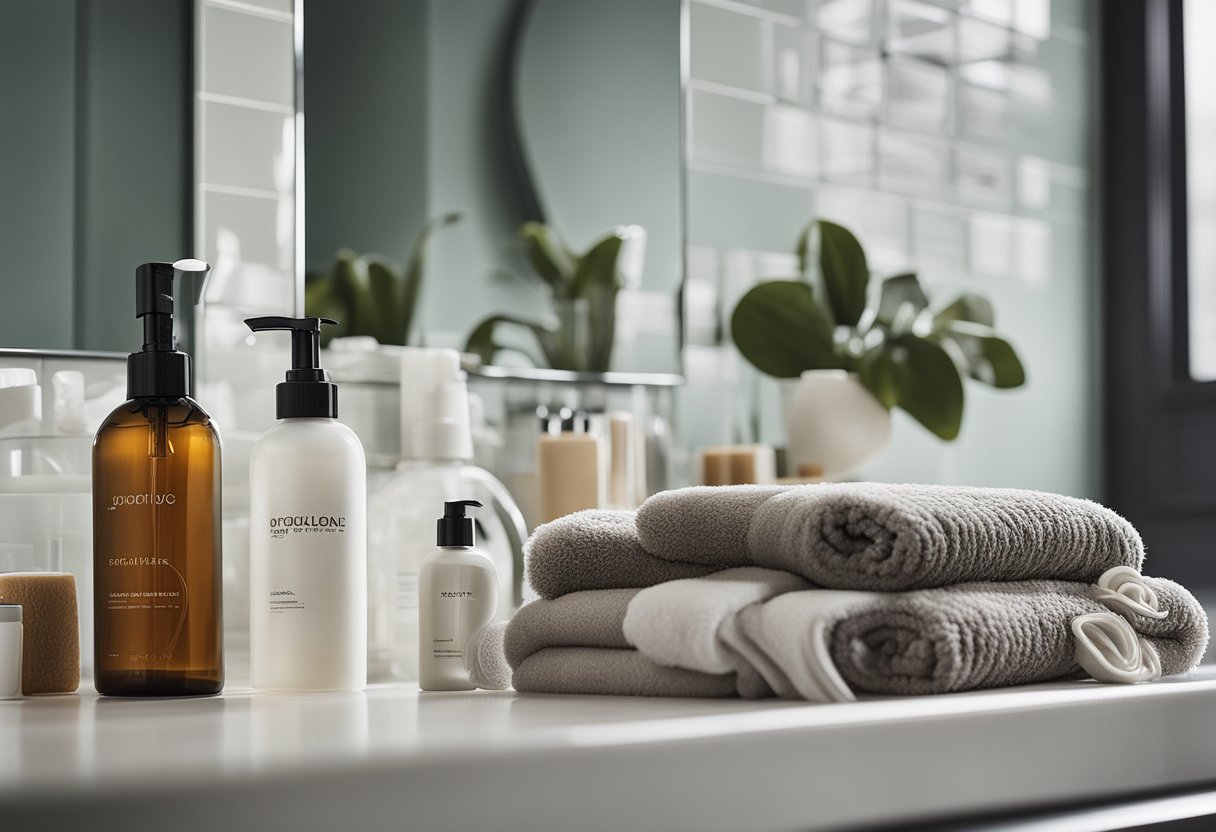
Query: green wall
[365,142]
[95,152]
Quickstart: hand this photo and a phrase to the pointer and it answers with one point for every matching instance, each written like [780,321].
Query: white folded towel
[677,623]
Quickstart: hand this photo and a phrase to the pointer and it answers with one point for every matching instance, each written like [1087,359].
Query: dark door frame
[1160,425]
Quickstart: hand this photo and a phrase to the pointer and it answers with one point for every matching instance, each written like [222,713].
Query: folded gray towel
[596,549]
[612,672]
[824,645]
[872,536]
[592,618]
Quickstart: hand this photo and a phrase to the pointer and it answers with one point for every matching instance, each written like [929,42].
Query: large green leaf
[845,273]
[388,297]
[928,384]
[415,271]
[549,257]
[779,328]
[319,302]
[598,267]
[969,307]
[803,249]
[352,291]
[597,279]
[483,343]
[990,358]
[900,300]
[877,373]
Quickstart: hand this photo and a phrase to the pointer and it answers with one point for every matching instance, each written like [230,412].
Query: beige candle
[737,465]
[570,472]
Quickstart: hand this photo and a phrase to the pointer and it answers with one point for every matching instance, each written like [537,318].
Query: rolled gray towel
[596,549]
[873,536]
[612,672]
[957,638]
[485,659]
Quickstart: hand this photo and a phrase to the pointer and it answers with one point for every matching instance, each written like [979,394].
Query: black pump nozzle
[307,392]
[454,529]
[159,370]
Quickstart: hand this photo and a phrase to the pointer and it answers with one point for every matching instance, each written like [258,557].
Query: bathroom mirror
[95,163]
[506,111]
[597,110]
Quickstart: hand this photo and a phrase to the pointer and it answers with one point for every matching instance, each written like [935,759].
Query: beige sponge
[50,661]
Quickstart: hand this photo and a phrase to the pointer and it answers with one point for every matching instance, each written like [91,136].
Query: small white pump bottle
[457,596]
[308,524]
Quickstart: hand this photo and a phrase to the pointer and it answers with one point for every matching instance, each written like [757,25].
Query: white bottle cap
[20,402]
[434,406]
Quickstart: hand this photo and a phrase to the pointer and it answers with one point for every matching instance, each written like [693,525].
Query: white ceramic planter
[835,425]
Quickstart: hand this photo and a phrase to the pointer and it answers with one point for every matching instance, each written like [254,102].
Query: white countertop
[392,757]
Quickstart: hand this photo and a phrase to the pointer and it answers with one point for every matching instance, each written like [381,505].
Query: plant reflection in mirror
[583,287]
[369,294]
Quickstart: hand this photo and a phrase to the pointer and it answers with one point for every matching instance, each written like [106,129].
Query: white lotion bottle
[308,526]
[457,596]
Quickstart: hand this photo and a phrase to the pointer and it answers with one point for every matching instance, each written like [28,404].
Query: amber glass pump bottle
[156,517]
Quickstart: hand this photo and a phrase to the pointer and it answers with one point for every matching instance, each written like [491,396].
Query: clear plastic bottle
[437,443]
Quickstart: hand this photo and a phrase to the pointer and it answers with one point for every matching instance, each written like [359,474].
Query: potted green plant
[888,345]
[583,288]
[370,295]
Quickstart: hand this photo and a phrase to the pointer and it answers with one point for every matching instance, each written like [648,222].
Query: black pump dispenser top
[454,529]
[159,370]
[307,392]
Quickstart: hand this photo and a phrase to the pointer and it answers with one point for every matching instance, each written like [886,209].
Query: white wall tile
[247,56]
[791,141]
[726,129]
[847,151]
[911,164]
[982,177]
[249,223]
[730,47]
[918,94]
[939,241]
[247,148]
[992,245]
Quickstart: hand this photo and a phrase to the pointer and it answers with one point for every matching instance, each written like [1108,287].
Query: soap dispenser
[308,526]
[157,577]
[457,594]
[436,466]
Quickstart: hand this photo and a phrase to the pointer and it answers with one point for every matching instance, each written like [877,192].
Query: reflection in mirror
[420,111]
[597,108]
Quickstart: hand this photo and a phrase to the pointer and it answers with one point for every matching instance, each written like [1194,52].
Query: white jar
[10,651]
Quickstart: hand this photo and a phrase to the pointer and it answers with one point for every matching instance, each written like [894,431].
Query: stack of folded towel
[823,592]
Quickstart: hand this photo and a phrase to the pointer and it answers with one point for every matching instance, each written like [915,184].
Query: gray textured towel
[957,638]
[614,672]
[942,640]
[596,549]
[871,536]
[576,644]
[593,618]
